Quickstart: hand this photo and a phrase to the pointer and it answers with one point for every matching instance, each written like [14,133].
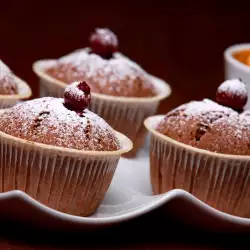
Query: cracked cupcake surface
[47,120]
[210,126]
[117,76]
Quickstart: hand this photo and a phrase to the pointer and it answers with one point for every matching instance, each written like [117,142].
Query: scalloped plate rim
[160,201]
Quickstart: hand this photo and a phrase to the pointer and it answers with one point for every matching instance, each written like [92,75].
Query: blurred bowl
[236,69]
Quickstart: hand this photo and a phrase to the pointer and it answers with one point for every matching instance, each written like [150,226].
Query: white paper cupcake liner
[222,181]
[8,101]
[67,180]
[124,114]
[125,117]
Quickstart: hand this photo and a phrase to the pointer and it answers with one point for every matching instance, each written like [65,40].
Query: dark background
[179,41]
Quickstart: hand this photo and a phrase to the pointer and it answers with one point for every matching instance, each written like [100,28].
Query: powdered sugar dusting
[233,86]
[74,91]
[206,106]
[208,125]
[4,69]
[92,65]
[8,82]
[47,120]
[74,57]
[116,76]
[108,37]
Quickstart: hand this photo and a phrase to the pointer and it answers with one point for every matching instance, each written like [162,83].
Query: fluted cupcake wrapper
[125,115]
[5,103]
[48,89]
[70,181]
[8,101]
[221,181]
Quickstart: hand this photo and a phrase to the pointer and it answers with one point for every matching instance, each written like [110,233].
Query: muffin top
[210,126]
[8,81]
[105,70]
[50,121]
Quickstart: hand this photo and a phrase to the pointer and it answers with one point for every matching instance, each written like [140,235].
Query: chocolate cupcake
[122,92]
[59,152]
[203,148]
[12,88]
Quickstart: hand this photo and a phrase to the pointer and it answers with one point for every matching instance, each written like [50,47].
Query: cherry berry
[103,42]
[77,96]
[233,94]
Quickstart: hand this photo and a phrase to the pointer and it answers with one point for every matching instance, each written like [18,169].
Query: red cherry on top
[233,94]
[103,42]
[77,96]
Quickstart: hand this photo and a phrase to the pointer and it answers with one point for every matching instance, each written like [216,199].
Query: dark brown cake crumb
[47,120]
[208,125]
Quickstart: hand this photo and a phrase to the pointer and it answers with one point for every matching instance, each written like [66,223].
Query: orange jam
[243,56]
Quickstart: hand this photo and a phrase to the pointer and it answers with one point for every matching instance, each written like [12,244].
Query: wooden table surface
[179,41]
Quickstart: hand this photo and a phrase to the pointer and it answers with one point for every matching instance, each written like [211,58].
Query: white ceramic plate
[128,197]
